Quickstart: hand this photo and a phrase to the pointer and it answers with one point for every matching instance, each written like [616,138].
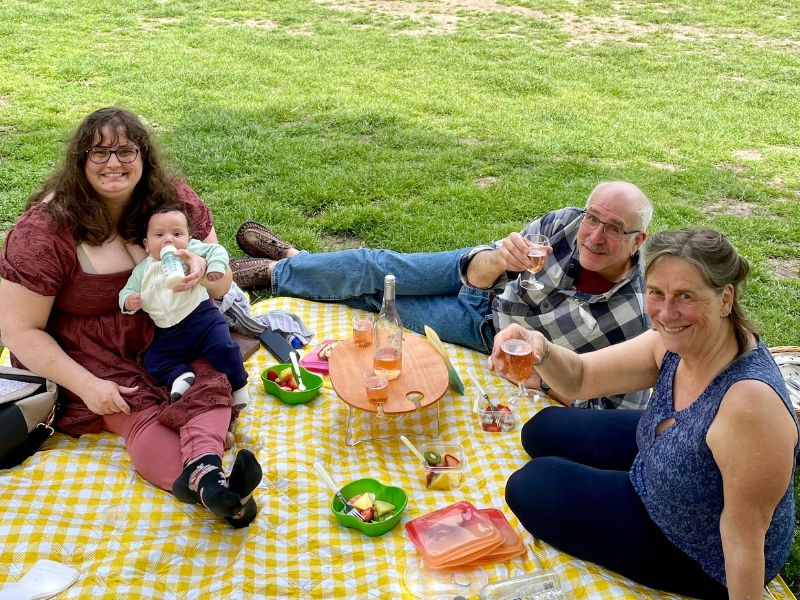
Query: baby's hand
[215,276]
[133,302]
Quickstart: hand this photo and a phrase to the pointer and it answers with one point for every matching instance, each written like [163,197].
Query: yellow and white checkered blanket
[79,502]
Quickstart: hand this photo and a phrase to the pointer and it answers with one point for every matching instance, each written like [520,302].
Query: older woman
[693,495]
[63,266]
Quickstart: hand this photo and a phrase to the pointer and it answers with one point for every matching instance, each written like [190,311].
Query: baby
[188,325]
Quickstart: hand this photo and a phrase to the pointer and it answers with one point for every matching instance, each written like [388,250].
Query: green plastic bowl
[312,381]
[387,493]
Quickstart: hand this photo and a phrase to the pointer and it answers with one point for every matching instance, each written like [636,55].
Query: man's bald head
[627,196]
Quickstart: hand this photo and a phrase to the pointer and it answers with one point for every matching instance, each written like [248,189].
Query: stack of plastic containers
[461,535]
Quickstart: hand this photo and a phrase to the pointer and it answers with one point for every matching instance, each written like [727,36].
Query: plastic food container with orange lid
[511,546]
[454,535]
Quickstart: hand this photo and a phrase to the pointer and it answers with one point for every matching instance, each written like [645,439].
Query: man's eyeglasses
[610,229]
[100,156]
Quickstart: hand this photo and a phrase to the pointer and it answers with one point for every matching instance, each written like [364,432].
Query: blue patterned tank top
[677,478]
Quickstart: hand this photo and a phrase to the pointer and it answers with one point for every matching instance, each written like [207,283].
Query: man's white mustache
[595,249]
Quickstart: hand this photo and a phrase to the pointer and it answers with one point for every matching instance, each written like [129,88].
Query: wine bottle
[387,334]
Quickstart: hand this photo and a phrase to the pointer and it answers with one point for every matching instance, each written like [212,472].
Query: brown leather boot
[259,242]
[252,272]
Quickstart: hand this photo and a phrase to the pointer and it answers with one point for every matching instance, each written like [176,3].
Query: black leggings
[576,495]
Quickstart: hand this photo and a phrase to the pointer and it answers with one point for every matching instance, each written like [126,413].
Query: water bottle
[172,267]
[387,334]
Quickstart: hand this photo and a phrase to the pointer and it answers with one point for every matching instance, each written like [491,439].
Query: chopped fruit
[272,375]
[368,514]
[383,508]
[500,420]
[451,461]
[286,388]
[370,509]
[445,474]
[432,458]
[443,481]
[290,381]
[286,379]
[361,501]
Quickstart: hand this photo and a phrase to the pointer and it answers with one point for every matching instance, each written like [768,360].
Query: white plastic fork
[297,376]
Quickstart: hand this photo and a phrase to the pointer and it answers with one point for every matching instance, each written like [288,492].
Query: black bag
[27,411]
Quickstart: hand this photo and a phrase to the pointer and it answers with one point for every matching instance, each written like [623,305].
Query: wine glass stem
[381,414]
[523,393]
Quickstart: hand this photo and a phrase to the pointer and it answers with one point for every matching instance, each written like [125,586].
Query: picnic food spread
[316,554]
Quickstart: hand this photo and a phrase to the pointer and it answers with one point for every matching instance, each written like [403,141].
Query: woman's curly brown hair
[75,204]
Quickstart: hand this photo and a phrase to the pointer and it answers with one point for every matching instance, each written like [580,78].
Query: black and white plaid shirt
[567,317]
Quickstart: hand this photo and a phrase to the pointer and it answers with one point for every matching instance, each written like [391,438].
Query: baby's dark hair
[165,208]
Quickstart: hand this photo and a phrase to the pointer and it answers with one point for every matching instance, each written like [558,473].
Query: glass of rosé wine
[537,254]
[376,384]
[518,362]
[362,330]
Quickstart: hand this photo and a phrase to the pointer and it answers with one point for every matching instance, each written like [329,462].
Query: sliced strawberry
[428,478]
[502,408]
[491,427]
[451,461]
[272,375]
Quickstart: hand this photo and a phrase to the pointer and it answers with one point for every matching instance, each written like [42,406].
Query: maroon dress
[88,324]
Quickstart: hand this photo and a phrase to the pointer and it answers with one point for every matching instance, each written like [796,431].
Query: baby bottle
[172,266]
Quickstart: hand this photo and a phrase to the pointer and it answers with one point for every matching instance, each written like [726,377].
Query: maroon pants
[158,452]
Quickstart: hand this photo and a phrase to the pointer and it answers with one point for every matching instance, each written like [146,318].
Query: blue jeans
[429,289]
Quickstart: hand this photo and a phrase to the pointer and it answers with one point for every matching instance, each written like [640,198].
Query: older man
[593,286]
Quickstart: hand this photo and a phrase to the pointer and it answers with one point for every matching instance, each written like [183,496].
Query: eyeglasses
[613,231]
[100,156]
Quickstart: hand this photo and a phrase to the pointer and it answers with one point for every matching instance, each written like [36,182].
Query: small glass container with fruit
[500,418]
[443,465]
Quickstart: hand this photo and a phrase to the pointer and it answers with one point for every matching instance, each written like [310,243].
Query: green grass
[378,127]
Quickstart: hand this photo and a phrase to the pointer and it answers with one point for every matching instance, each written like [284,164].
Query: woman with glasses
[693,495]
[63,266]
